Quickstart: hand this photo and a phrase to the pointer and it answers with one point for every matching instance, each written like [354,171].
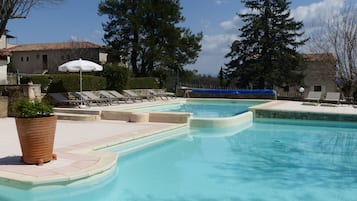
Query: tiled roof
[319,57]
[52,46]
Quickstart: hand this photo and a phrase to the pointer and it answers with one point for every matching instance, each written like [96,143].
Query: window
[44,62]
[27,58]
[22,59]
[317,88]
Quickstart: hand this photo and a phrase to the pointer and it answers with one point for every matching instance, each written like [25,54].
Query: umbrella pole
[80,85]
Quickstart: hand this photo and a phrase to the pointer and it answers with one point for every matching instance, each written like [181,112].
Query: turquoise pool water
[270,161]
[208,109]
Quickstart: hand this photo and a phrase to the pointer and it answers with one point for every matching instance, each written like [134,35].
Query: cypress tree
[265,55]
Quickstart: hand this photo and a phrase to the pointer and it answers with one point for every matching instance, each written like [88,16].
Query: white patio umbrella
[80,66]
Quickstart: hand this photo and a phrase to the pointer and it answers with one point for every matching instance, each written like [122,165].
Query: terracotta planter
[36,137]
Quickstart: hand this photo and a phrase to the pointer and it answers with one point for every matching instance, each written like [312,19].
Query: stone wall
[304,116]
[3,74]
[18,92]
[320,74]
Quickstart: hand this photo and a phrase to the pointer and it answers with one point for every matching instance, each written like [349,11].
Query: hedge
[66,82]
[142,83]
[70,82]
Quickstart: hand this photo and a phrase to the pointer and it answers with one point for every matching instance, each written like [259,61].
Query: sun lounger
[332,99]
[113,96]
[161,95]
[96,99]
[59,99]
[88,98]
[135,96]
[313,98]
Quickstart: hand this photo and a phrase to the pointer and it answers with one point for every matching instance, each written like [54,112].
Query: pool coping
[274,110]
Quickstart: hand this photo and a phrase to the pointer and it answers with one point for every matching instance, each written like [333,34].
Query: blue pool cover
[235,91]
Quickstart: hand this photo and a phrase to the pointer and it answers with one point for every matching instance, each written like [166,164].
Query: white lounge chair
[313,98]
[135,96]
[161,95]
[88,98]
[113,96]
[331,97]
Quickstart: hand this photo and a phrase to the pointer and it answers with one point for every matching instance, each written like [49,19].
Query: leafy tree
[12,9]
[265,55]
[339,36]
[145,33]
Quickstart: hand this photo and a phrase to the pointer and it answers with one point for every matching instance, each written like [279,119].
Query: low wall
[135,116]
[242,119]
[3,106]
[294,115]
[172,117]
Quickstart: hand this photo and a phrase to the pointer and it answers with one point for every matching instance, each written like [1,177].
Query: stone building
[320,75]
[45,58]
[4,59]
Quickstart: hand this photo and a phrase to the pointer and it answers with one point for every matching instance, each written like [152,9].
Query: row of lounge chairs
[331,99]
[104,97]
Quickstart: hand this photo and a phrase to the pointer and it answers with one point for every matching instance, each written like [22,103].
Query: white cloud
[217,43]
[219,2]
[214,48]
[231,25]
[318,12]
[74,38]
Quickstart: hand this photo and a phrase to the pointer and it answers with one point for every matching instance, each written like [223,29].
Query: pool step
[77,114]
[77,117]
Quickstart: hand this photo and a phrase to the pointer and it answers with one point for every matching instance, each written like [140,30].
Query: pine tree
[146,32]
[265,55]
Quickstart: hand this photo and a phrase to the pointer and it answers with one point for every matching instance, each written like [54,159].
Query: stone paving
[74,145]
[303,107]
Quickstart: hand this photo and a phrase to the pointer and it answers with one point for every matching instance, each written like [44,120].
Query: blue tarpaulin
[235,91]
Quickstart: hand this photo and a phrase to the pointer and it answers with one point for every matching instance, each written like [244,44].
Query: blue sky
[217,19]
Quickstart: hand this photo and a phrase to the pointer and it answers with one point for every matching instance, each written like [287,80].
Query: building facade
[320,75]
[45,58]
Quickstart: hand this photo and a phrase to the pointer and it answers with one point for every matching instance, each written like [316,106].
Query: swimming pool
[270,161]
[205,108]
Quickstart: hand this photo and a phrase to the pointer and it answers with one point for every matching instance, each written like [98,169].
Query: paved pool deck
[76,142]
[297,106]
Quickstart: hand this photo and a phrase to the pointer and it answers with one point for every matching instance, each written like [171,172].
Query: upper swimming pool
[205,108]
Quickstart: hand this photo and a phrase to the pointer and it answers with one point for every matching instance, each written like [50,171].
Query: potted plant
[36,127]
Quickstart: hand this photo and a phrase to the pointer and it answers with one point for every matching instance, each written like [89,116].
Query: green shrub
[25,108]
[116,76]
[143,83]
